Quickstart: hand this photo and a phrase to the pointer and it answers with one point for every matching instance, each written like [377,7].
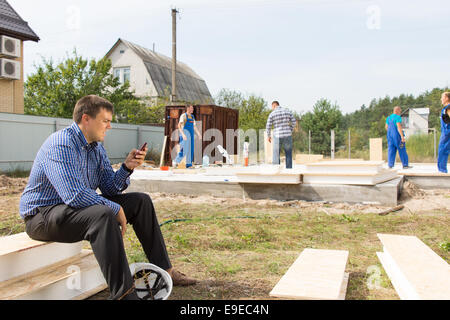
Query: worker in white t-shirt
[187,126]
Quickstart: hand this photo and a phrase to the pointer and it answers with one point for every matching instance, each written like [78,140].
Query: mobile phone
[143,147]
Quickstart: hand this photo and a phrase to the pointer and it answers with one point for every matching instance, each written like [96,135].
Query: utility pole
[174,56]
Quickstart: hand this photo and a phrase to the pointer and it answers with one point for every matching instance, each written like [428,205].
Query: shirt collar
[81,139]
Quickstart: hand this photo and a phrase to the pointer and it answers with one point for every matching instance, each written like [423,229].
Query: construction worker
[444,143]
[396,139]
[187,125]
[283,122]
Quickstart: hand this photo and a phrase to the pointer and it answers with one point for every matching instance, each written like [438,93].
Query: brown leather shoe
[180,279]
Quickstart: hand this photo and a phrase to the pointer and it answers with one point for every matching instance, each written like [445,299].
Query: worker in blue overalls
[444,143]
[396,139]
[187,126]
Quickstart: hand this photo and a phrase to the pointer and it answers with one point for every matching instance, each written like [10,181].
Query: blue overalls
[187,146]
[395,143]
[444,143]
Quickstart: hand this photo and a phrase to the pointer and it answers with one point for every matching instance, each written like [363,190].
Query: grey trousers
[98,225]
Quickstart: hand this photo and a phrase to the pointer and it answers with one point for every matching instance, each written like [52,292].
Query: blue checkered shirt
[283,122]
[68,169]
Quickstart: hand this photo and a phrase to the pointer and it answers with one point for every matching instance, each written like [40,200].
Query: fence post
[139,137]
[434,145]
[332,144]
[349,145]
[309,142]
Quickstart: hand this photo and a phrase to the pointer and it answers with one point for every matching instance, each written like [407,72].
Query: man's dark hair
[276,102]
[91,106]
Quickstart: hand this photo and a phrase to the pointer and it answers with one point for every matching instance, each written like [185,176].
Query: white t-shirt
[183,119]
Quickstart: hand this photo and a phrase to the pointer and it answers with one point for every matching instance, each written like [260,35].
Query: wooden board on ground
[416,271]
[307,158]
[316,274]
[376,149]
[19,254]
[73,278]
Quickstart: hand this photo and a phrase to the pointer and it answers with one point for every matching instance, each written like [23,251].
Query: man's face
[97,127]
[444,99]
[274,105]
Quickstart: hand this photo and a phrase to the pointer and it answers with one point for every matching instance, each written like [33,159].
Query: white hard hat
[151,282]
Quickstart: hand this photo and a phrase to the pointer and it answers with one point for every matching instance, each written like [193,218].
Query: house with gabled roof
[150,74]
[13,32]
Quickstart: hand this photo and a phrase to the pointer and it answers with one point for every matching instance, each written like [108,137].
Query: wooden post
[332,144]
[161,161]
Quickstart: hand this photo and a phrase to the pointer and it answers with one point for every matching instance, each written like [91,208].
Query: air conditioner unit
[9,69]
[9,47]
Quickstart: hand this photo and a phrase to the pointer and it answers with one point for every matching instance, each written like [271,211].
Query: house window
[123,74]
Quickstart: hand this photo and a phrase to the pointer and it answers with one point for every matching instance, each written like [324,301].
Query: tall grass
[420,147]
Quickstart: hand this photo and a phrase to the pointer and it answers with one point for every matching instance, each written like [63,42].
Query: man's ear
[85,118]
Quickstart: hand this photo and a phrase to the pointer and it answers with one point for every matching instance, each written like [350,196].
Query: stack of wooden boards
[347,172]
[416,271]
[35,270]
[316,274]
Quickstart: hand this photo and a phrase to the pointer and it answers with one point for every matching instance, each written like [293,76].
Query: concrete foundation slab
[384,193]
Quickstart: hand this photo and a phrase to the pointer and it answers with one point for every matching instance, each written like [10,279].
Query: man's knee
[102,212]
[141,197]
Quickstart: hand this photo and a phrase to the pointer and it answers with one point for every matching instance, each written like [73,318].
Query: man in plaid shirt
[283,122]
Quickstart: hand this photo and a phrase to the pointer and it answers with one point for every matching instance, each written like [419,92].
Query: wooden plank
[347,163]
[308,158]
[376,149]
[349,178]
[415,270]
[18,242]
[50,282]
[343,291]
[20,254]
[268,178]
[161,161]
[344,167]
[316,274]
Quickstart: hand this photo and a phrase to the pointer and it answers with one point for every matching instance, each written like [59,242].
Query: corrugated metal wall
[21,136]
[207,117]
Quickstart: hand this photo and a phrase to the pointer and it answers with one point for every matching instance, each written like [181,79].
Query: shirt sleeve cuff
[114,206]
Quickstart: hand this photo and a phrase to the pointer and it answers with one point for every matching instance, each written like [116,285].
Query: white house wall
[139,76]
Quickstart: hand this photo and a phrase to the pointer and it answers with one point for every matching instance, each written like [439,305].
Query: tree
[324,118]
[253,110]
[230,99]
[54,89]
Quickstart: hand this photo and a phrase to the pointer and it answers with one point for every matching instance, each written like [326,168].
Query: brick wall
[11,92]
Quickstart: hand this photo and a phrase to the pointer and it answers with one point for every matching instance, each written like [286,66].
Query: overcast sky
[348,51]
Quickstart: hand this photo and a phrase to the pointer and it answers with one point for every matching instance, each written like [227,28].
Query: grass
[420,148]
[16,173]
[245,257]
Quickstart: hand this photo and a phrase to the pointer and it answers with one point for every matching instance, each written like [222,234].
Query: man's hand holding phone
[136,157]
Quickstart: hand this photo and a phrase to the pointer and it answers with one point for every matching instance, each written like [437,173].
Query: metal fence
[347,144]
[21,136]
